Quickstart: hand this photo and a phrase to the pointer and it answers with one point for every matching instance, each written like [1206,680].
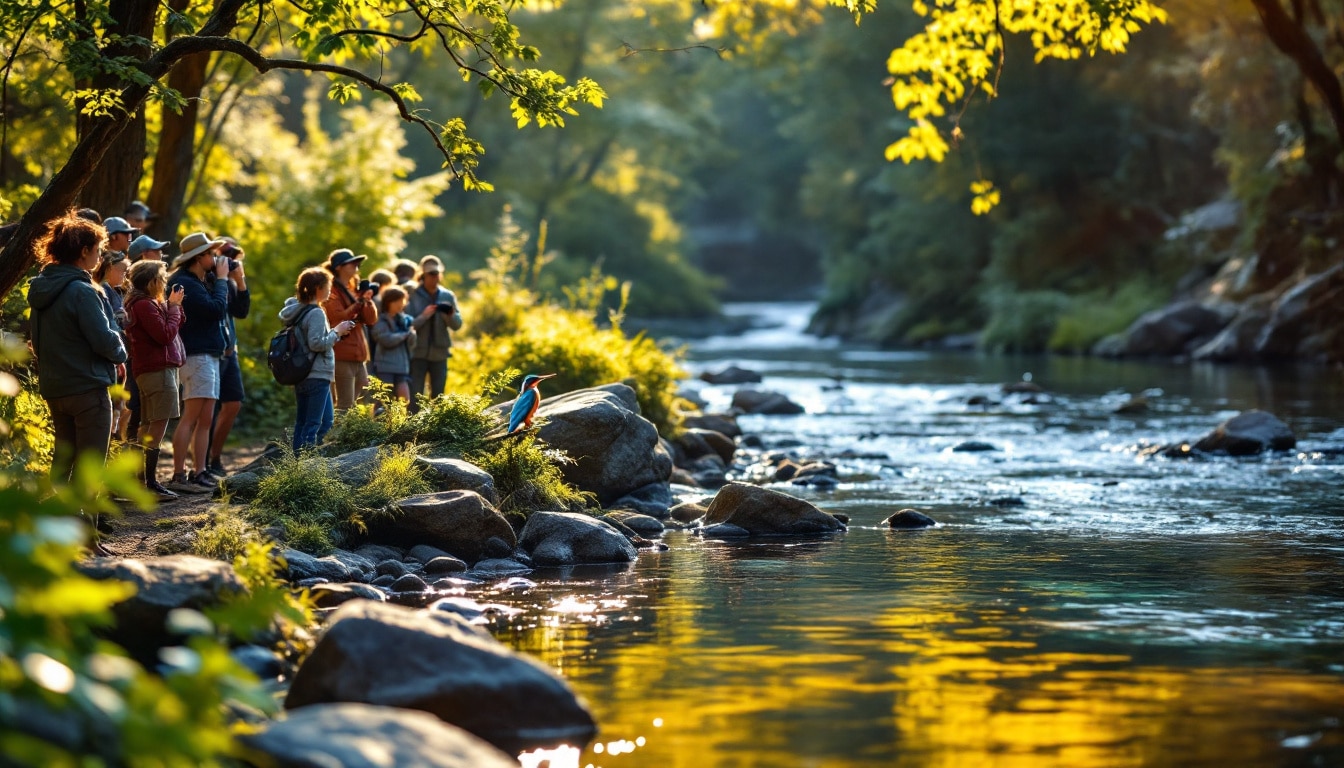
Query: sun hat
[194,245]
[144,243]
[115,225]
[342,256]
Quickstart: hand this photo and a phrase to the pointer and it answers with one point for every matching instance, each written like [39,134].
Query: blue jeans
[313,418]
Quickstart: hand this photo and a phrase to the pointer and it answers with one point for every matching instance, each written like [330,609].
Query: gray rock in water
[377,553]
[498,566]
[724,531]
[765,403]
[1247,434]
[436,662]
[441,565]
[301,566]
[332,595]
[409,583]
[163,584]
[641,524]
[909,519]
[615,450]
[384,580]
[262,662]
[459,475]
[394,568]
[568,538]
[1172,330]
[973,446]
[731,375]
[1305,316]
[653,500]
[723,423]
[423,553]
[688,512]
[361,568]
[363,736]
[458,522]
[764,511]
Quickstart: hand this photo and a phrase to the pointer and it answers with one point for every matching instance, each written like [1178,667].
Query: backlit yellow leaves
[960,52]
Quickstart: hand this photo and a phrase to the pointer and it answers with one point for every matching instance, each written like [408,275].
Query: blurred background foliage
[740,156]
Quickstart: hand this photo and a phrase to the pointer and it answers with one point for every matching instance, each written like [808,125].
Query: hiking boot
[204,480]
[162,493]
[216,468]
[183,484]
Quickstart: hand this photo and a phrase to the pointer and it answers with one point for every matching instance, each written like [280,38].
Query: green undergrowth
[317,510]
[527,477]
[68,697]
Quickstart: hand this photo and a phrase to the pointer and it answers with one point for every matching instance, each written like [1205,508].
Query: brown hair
[382,277]
[389,295]
[150,277]
[109,258]
[67,237]
[311,281]
[404,268]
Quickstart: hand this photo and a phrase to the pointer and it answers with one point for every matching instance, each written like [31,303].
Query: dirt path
[167,529]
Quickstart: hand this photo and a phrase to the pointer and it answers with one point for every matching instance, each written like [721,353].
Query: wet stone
[393,568]
[908,519]
[409,583]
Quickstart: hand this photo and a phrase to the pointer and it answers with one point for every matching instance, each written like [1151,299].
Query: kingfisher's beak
[548,376]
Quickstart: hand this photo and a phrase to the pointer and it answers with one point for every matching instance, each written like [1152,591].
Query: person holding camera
[313,415]
[394,338]
[156,353]
[202,273]
[230,373]
[435,313]
[350,300]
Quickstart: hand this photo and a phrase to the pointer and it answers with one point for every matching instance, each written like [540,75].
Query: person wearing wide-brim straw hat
[205,304]
[347,302]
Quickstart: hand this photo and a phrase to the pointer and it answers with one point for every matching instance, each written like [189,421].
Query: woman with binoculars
[349,300]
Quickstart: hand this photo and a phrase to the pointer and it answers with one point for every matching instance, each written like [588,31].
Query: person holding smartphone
[152,326]
[435,316]
[346,301]
[313,412]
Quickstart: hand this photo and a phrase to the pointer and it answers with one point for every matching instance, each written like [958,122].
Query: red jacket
[152,328]
[341,306]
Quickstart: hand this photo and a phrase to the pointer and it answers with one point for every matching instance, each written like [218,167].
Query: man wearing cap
[204,333]
[436,316]
[145,247]
[119,233]
[138,214]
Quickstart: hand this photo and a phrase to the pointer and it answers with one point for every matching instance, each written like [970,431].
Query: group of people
[109,309]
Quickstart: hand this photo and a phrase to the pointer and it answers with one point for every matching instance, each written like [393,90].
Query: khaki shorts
[200,377]
[158,395]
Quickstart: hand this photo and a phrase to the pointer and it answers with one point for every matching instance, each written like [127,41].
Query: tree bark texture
[177,149]
[116,180]
[1292,38]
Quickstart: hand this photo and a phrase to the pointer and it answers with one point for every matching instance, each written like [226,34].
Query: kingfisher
[529,398]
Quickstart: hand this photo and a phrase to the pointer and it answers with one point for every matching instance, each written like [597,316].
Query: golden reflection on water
[916,687]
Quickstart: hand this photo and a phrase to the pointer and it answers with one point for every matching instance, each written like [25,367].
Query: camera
[445,307]
[233,264]
[368,285]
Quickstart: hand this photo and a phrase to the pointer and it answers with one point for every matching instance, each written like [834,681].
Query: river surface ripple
[1128,611]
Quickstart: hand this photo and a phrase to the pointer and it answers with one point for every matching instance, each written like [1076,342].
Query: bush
[1022,322]
[225,536]
[527,478]
[397,476]
[305,498]
[1091,317]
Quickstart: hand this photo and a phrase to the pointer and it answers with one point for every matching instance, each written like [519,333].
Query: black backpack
[289,357]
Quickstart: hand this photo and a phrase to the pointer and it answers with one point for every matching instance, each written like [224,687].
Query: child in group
[154,318]
[394,339]
[111,275]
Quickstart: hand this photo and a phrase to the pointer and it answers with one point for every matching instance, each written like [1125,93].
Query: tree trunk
[116,181]
[177,144]
[1292,39]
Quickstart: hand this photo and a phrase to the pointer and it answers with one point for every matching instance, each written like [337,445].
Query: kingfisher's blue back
[523,408]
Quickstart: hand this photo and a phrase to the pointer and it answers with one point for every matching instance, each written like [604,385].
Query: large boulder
[765,403]
[761,511]
[356,467]
[300,566]
[615,450]
[569,538]
[653,500]
[363,736]
[1306,320]
[1247,434]
[459,475]
[162,585]
[1237,341]
[458,522]
[377,653]
[1172,330]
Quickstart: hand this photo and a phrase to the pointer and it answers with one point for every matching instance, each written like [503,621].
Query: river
[1080,604]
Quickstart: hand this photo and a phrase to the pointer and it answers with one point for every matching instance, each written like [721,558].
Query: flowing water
[1080,604]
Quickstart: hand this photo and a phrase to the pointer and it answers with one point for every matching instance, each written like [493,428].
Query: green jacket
[75,337]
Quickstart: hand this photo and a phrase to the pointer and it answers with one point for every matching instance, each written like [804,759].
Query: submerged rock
[1247,434]
[764,511]
[387,655]
[908,519]
[765,403]
[723,423]
[973,446]
[731,375]
[568,538]
[363,736]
